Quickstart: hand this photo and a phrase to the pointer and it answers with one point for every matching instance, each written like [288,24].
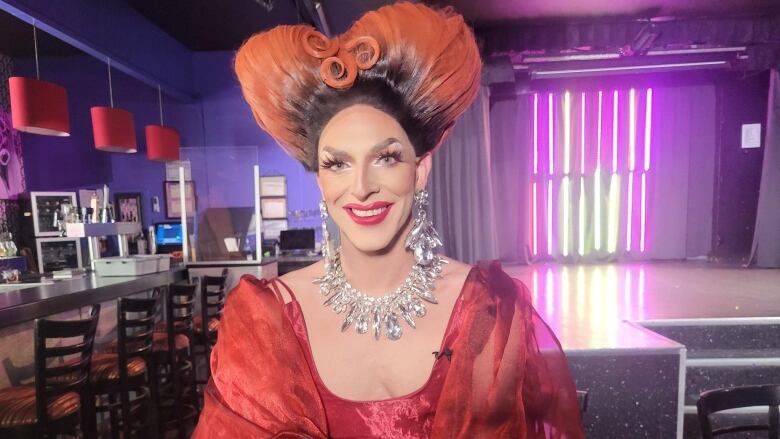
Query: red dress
[507,376]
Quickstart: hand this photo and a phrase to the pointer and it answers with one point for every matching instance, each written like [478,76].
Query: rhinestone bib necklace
[384,312]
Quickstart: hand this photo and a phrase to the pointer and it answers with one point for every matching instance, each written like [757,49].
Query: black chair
[116,374]
[173,351]
[713,401]
[212,300]
[60,397]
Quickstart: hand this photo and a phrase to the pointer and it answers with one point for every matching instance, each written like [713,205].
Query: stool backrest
[212,298]
[713,401]
[52,378]
[180,309]
[135,328]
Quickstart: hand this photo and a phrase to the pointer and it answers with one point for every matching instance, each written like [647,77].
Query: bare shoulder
[300,281]
[455,272]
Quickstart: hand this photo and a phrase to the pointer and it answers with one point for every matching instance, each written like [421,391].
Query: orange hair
[418,64]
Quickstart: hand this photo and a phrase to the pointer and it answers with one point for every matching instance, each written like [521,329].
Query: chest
[359,367]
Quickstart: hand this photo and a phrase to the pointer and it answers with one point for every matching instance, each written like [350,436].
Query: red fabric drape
[508,377]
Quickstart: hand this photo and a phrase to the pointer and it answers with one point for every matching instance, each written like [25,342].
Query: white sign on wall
[751,135]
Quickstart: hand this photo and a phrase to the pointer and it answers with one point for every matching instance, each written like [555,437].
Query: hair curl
[418,64]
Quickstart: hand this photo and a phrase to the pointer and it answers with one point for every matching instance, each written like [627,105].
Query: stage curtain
[679,181]
[766,238]
[461,191]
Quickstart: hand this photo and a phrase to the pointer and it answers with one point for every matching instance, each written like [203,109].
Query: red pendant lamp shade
[113,130]
[162,143]
[39,107]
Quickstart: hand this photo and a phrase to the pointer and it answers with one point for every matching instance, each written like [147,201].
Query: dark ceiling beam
[113,29]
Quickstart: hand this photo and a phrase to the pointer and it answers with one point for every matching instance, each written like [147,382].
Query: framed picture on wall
[273,208]
[128,207]
[173,199]
[273,186]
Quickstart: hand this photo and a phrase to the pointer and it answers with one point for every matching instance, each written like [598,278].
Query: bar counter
[31,301]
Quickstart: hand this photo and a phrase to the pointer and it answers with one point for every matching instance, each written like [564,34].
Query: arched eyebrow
[343,155]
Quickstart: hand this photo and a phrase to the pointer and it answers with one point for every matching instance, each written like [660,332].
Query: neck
[378,273]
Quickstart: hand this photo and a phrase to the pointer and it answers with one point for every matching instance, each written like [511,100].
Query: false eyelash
[329,163]
[393,154]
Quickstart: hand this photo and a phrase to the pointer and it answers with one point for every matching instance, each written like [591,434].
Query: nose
[364,184]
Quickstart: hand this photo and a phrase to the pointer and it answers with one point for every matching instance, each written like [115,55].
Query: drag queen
[383,337]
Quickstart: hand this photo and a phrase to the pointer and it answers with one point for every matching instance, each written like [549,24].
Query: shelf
[81,230]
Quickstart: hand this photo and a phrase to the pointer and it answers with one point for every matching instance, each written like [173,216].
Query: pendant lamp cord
[35,43]
[110,88]
[159,97]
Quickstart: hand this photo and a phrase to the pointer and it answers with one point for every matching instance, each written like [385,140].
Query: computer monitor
[168,234]
[298,239]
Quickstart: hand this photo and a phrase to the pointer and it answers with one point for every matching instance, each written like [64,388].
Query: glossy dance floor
[596,307]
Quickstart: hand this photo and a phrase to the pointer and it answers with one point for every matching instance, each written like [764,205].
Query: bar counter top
[26,302]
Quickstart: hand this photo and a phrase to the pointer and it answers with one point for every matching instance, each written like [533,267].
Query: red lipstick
[368,220]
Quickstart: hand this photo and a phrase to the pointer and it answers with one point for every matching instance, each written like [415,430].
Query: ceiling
[203,25]
[482,11]
[223,25]
[16,39]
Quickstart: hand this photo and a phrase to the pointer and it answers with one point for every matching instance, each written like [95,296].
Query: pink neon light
[534,220]
[614,131]
[549,217]
[632,130]
[536,134]
[648,126]
[582,134]
[629,210]
[598,135]
[643,214]
[550,132]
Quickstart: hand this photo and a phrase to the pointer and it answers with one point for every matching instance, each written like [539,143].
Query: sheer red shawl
[508,377]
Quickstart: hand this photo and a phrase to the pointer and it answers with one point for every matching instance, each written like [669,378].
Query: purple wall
[221,122]
[228,121]
[72,163]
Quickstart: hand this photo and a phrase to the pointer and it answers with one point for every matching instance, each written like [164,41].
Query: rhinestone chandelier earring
[423,238]
[327,252]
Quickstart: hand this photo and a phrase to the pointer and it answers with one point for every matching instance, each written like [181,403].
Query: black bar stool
[116,374]
[713,401]
[212,300]
[173,353]
[60,397]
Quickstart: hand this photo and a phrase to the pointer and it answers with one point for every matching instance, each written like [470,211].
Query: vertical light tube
[549,217]
[581,214]
[534,206]
[566,133]
[629,210]
[597,181]
[613,206]
[581,231]
[648,127]
[535,213]
[648,133]
[631,129]
[535,292]
[642,214]
[550,133]
[582,134]
[615,97]
[536,133]
[566,213]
